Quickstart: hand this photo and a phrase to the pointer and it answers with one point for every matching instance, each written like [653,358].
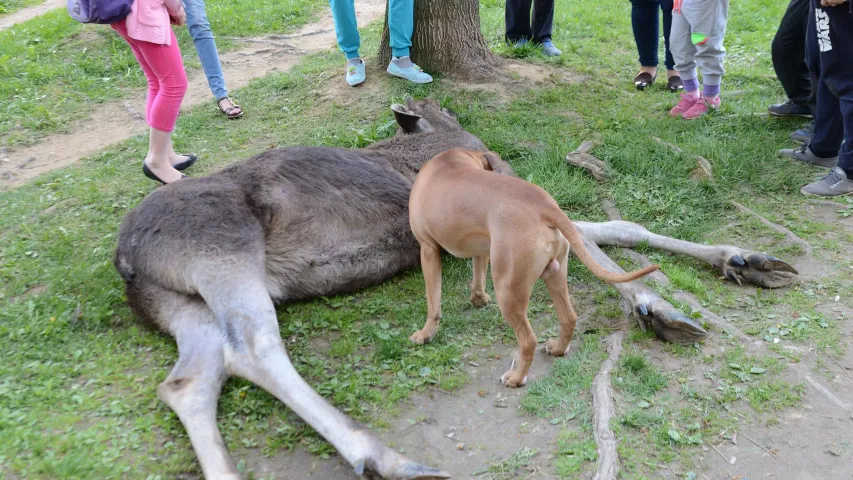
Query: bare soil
[28,13]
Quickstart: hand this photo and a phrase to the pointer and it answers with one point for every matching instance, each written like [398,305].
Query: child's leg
[708,21]
[166,63]
[401,18]
[683,52]
[153,82]
[346,26]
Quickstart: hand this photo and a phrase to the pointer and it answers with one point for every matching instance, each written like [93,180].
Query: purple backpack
[99,11]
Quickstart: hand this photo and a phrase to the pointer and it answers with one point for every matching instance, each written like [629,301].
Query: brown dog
[462,203]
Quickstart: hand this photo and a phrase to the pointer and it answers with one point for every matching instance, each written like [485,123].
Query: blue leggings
[646,25]
[401,18]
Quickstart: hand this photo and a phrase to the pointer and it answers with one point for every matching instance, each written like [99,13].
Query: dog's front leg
[479,297]
[431,265]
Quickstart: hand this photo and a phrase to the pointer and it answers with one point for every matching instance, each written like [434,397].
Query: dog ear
[408,121]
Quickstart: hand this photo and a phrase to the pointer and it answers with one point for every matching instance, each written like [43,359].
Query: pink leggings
[167,80]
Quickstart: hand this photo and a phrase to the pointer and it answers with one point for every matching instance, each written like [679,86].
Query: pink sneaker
[684,105]
[701,107]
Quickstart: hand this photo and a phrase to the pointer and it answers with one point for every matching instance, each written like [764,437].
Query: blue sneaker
[550,50]
[355,74]
[412,73]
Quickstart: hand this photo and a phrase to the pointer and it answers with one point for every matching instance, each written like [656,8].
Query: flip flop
[229,112]
[643,80]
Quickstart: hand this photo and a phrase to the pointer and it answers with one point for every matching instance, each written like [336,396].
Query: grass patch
[53,68]
[12,6]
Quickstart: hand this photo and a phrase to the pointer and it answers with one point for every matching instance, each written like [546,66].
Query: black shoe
[191,158]
[804,135]
[148,173]
[789,109]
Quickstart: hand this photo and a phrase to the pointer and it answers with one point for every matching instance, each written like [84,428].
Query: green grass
[54,69]
[77,395]
[11,6]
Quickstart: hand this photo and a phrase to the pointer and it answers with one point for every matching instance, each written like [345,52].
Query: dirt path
[115,122]
[28,13]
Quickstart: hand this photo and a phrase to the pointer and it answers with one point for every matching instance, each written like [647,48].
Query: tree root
[703,169]
[581,158]
[603,410]
[791,236]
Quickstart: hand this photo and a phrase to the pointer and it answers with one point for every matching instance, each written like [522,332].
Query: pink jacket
[149,20]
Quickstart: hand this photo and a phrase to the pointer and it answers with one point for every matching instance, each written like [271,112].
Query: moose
[205,258]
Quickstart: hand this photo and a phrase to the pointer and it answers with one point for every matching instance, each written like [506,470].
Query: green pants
[400,23]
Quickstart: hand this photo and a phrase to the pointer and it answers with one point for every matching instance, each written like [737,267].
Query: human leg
[517,20]
[788,52]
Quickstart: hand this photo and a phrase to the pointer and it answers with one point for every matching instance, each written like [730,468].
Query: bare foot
[653,71]
[226,103]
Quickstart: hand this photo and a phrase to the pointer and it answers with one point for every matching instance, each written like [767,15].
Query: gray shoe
[832,185]
[805,155]
[804,135]
[550,50]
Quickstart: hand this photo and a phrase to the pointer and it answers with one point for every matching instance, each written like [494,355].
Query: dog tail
[561,222]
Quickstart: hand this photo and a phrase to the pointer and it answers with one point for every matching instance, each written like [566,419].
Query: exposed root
[703,169]
[828,394]
[791,236]
[602,404]
[828,203]
[581,158]
[610,209]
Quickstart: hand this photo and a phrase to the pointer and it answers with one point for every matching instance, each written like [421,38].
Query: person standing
[205,46]
[148,31]
[830,49]
[696,39]
[645,22]
[520,30]
[401,20]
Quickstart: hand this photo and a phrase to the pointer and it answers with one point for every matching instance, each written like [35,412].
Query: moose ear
[410,102]
[497,165]
[450,113]
[408,121]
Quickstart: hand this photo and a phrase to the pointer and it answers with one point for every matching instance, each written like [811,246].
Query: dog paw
[480,299]
[420,337]
[513,379]
[552,348]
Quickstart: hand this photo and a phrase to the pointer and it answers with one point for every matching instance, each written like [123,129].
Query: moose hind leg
[192,388]
[254,351]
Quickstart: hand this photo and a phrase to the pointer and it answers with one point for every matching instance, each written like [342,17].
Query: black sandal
[229,112]
[674,84]
[643,80]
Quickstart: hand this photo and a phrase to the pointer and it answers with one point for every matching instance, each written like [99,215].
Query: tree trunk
[447,39]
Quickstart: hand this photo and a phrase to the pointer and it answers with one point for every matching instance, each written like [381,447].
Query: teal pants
[401,19]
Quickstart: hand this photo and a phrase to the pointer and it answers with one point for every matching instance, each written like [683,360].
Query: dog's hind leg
[558,287]
[479,297]
[514,276]
[735,263]
[192,388]
[254,351]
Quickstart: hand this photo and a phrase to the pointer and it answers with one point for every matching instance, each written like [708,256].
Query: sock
[402,62]
[351,62]
[711,91]
[691,86]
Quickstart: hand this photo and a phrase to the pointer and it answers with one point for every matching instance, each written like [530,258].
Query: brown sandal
[230,111]
[643,80]
[674,84]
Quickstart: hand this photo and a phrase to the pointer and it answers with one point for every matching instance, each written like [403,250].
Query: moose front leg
[737,264]
[649,308]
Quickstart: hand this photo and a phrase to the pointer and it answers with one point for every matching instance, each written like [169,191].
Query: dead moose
[206,258]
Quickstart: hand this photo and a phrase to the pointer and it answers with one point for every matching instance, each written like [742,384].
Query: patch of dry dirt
[484,416]
[115,122]
[29,13]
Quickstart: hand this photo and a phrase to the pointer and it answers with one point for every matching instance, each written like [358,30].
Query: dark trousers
[646,25]
[788,51]
[830,50]
[518,24]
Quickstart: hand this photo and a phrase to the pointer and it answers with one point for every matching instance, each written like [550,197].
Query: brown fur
[460,202]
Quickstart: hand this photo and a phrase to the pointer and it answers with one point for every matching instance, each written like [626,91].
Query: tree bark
[447,39]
